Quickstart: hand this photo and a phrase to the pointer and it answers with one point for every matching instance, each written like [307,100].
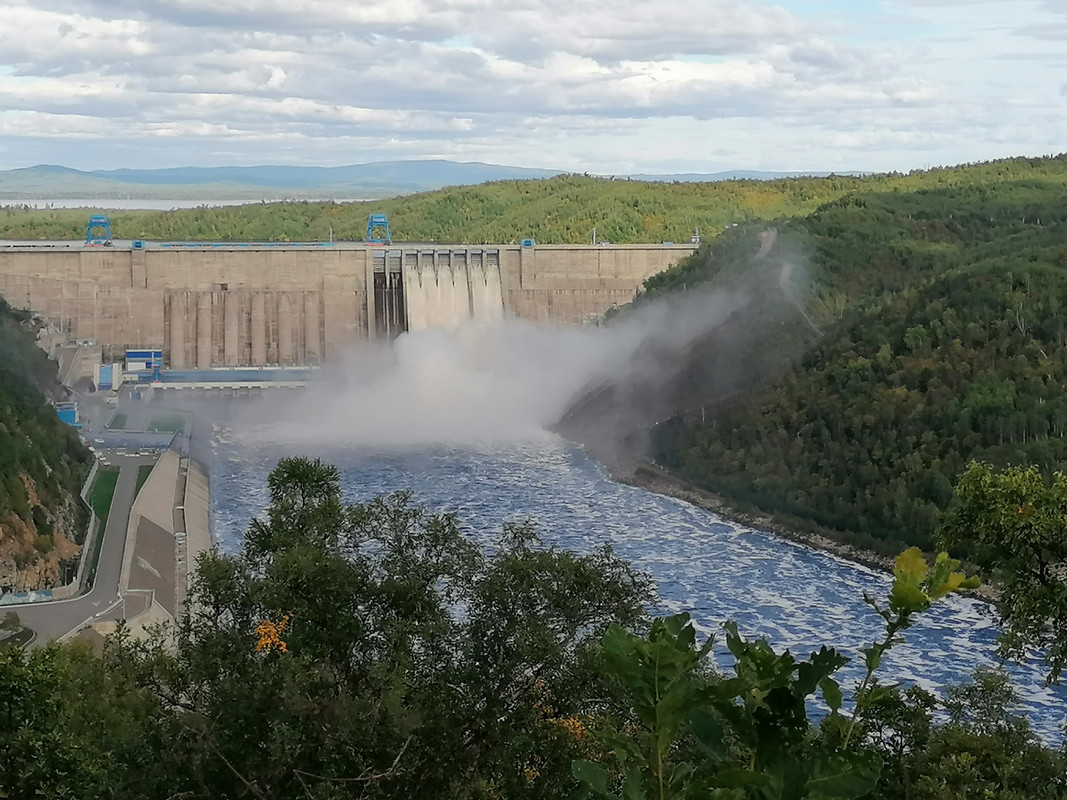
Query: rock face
[40,553]
[43,464]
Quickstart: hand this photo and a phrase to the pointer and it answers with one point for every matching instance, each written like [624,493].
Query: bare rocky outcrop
[32,559]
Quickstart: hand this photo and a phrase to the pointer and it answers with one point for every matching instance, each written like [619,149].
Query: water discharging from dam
[448,298]
[416,290]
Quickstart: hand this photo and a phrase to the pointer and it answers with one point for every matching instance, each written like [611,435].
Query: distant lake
[162,205]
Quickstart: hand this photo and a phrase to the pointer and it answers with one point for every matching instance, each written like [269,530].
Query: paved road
[53,619]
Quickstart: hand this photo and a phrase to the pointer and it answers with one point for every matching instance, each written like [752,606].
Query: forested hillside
[42,465]
[564,209]
[944,315]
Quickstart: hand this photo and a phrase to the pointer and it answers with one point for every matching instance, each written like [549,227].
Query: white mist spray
[487,382]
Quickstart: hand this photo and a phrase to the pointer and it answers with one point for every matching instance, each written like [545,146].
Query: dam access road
[222,304]
[53,619]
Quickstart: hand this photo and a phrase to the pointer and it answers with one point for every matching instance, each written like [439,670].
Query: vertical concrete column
[475,271]
[204,353]
[346,297]
[231,329]
[259,329]
[415,293]
[526,265]
[177,330]
[368,273]
[138,269]
[285,329]
[312,351]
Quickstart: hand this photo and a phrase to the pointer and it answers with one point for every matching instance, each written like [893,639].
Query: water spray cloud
[489,382]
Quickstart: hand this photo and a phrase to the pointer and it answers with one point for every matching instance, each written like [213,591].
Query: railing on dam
[290,375]
[245,244]
[129,244]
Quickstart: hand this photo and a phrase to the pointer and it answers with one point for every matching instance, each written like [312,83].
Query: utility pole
[594,235]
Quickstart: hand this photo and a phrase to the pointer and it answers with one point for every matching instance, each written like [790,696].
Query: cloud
[1055,33]
[480,78]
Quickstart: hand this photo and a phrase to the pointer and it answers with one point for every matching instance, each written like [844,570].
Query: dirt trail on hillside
[767,240]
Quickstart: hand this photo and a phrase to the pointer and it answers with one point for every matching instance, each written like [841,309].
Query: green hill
[253,183]
[564,209]
[944,315]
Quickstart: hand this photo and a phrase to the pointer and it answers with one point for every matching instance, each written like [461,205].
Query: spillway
[443,290]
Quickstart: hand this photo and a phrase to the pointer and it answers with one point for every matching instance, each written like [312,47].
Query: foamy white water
[796,597]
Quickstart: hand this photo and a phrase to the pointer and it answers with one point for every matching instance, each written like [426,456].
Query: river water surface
[795,597]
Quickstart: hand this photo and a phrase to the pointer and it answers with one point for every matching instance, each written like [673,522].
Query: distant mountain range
[358,181]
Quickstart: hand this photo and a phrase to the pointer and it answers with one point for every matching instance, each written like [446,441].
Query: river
[795,597]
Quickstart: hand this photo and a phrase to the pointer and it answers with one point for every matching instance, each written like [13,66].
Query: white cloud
[30,35]
[554,83]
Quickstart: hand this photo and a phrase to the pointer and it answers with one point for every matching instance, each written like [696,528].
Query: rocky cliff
[42,465]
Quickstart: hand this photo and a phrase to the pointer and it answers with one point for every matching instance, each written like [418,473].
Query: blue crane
[98,231]
[378,230]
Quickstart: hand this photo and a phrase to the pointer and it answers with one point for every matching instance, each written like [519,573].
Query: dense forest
[942,316]
[426,665]
[42,462]
[564,209]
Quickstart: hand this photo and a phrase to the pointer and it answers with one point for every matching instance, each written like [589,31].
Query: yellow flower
[270,635]
[573,726]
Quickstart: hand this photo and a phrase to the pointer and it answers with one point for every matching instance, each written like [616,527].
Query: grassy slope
[103,492]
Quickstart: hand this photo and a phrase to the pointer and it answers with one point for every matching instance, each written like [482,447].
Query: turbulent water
[795,597]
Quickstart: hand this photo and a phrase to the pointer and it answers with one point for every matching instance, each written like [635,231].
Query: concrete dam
[233,305]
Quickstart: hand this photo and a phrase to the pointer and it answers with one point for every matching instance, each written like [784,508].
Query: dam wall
[573,284]
[228,305]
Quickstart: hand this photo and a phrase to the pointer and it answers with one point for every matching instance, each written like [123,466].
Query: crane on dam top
[98,231]
[378,230]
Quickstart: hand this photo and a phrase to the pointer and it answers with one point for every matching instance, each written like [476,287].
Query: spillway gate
[390,313]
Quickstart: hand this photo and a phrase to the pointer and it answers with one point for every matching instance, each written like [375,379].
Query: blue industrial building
[68,413]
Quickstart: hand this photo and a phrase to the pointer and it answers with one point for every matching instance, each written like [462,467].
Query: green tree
[1011,522]
[750,736]
[375,649]
[984,750]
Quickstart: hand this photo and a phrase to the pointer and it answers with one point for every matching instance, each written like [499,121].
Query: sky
[601,86]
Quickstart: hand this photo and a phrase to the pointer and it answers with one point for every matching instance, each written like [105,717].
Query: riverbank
[653,478]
